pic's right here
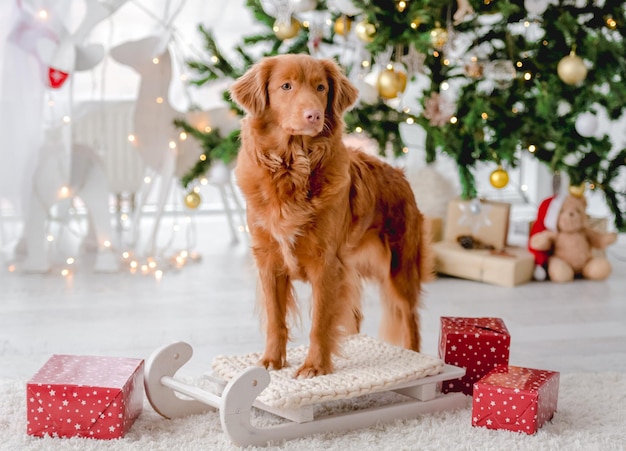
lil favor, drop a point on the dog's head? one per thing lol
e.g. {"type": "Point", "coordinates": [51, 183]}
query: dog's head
{"type": "Point", "coordinates": [298, 93]}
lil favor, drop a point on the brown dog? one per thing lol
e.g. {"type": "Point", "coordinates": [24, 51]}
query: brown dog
{"type": "Point", "coordinates": [320, 212]}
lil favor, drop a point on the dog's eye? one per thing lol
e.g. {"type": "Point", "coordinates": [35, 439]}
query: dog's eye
{"type": "Point", "coordinates": [321, 88]}
{"type": "Point", "coordinates": [286, 87]}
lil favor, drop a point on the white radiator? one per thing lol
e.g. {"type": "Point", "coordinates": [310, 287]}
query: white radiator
{"type": "Point", "coordinates": [105, 126]}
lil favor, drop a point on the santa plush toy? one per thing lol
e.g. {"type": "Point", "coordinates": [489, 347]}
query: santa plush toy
{"type": "Point", "coordinates": [547, 217]}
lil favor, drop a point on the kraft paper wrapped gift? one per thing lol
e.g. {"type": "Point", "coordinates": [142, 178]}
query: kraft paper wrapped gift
{"type": "Point", "coordinates": [509, 267]}
{"type": "Point", "coordinates": [85, 396]}
{"type": "Point", "coordinates": [476, 344]}
{"type": "Point", "coordinates": [515, 399]}
{"type": "Point", "coordinates": [484, 220]}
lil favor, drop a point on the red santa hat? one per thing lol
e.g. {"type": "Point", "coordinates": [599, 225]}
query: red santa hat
{"type": "Point", "coordinates": [547, 217]}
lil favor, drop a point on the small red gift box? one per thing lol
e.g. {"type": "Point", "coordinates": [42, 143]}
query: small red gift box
{"type": "Point", "coordinates": [85, 396]}
{"type": "Point", "coordinates": [516, 399]}
{"type": "Point", "coordinates": [476, 344]}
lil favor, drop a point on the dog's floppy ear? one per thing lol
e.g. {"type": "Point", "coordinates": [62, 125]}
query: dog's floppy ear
{"type": "Point", "coordinates": [342, 94]}
{"type": "Point", "coordinates": [250, 90]}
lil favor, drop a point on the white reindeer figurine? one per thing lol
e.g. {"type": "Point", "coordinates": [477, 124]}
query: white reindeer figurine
{"type": "Point", "coordinates": [64, 172]}
{"type": "Point", "coordinates": [156, 138]}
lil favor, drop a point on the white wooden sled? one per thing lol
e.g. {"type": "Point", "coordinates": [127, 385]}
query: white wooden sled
{"type": "Point", "coordinates": [278, 392]}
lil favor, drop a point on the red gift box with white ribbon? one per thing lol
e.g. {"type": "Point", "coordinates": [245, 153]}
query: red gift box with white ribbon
{"type": "Point", "coordinates": [85, 396]}
{"type": "Point", "coordinates": [515, 399]}
{"type": "Point", "coordinates": [476, 344]}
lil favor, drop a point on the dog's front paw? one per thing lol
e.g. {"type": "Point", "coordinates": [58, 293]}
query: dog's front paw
{"type": "Point", "coordinates": [308, 370]}
{"type": "Point", "coordinates": [274, 362]}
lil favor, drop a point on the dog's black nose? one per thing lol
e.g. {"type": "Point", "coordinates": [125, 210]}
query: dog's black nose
{"type": "Point", "coordinates": [312, 116]}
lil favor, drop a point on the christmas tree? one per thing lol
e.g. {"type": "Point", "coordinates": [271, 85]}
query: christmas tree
{"type": "Point", "coordinates": [504, 78]}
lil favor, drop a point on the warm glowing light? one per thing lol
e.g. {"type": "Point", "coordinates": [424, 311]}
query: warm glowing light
{"type": "Point", "coordinates": [532, 148]}
{"type": "Point", "coordinates": [485, 116]}
{"type": "Point", "coordinates": [207, 129]}
{"type": "Point", "coordinates": [204, 181]}
{"type": "Point", "coordinates": [305, 23]}
{"type": "Point", "coordinates": [172, 145]}
{"type": "Point", "coordinates": [183, 77]}
{"type": "Point", "coordinates": [389, 66]}
{"type": "Point", "coordinates": [124, 217]}
{"type": "Point", "coordinates": [67, 119]}
{"type": "Point", "coordinates": [196, 189]}
{"type": "Point", "coordinates": [410, 120]}
{"type": "Point", "coordinates": [365, 63]}
{"type": "Point", "coordinates": [454, 120]}
{"type": "Point", "coordinates": [131, 138]}
{"type": "Point", "coordinates": [519, 64]}
{"type": "Point", "coordinates": [64, 192]}
{"type": "Point", "coordinates": [524, 188]}
{"type": "Point", "coordinates": [70, 261]}
{"type": "Point", "coordinates": [125, 255]}
{"type": "Point", "coordinates": [446, 62]}
{"type": "Point", "coordinates": [436, 54]}
{"type": "Point", "coordinates": [65, 272]}
{"type": "Point", "coordinates": [184, 254]}
{"type": "Point", "coordinates": [203, 157]}
{"type": "Point", "coordinates": [134, 264]}
{"type": "Point", "coordinates": [182, 136]}
{"type": "Point", "coordinates": [526, 23]}
{"type": "Point", "coordinates": [42, 14]}
{"type": "Point", "coordinates": [144, 268]}
{"type": "Point", "coordinates": [152, 264]}
{"type": "Point", "coordinates": [215, 59]}
{"type": "Point", "coordinates": [358, 130]}
{"type": "Point", "coordinates": [159, 100]}
{"type": "Point", "coordinates": [611, 23]}
{"type": "Point", "coordinates": [401, 5]}
{"type": "Point", "coordinates": [147, 180]}
{"type": "Point", "coordinates": [106, 243]}
{"type": "Point", "coordinates": [158, 274]}
{"type": "Point", "coordinates": [50, 238]}
{"type": "Point", "coordinates": [527, 76]}
{"type": "Point", "coordinates": [11, 268]}
{"type": "Point", "coordinates": [405, 150]}
{"type": "Point", "coordinates": [155, 60]}
{"type": "Point", "coordinates": [445, 86]}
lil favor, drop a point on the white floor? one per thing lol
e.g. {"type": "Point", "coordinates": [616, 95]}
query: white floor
{"type": "Point", "coordinates": [576, 327]}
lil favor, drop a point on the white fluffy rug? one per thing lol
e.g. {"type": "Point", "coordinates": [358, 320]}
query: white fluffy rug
{"type": "Point", "coordinates": [591, 416]}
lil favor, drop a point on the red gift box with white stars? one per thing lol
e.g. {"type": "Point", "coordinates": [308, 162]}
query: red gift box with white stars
{"type": "Point", "coordinates": [516, 399]}
{"type": "Point", "coordinates": [85, 396]}
{"type": "Point", "coordinates": [476, 344]}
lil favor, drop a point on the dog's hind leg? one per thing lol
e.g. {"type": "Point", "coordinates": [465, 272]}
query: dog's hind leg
{"type": "Point", "coordinates": [400, 317]}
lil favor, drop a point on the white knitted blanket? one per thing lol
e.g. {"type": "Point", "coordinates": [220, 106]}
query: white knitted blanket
{"type": "Point", "coordinates": [366, 366]}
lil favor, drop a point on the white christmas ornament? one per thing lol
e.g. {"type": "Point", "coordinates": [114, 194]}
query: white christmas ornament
{"type": "Point", "coordinates": [303, 6]}
{"type": "Point", "coordinates": [345, 7]}
{"type": "Point", "coordinates": [586, 124]}
{"type": "Point", "coordinates": [536, 7]}
{"type": "Point", "coordinates": [368, 94]}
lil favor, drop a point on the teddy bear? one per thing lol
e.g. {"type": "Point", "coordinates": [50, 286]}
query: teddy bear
{"type": "Point", "coordinates": [563, 242]}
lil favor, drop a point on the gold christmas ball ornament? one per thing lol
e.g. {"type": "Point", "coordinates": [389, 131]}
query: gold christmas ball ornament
{"type": "Point", "coordinates": [192, 200]}
{"type": "Point", "coordinates": [402, 81]}
{"type": "Point", "coordinates": [572, 69]}
{"type": "Point", "coordinates": [286, 30]}
{"type": "Point", "coordinates": [390, 83]}
{"type": "Point", "coordinates": [343, 25]}
{"type": "Point", "coordinates": [438, 37]}
{"type": "Point", "coordinates": [365, 31]}
{"type": "Point", "coordinates": [577, 190]}
{"type": "Point", "coordinates": [499, 178]}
